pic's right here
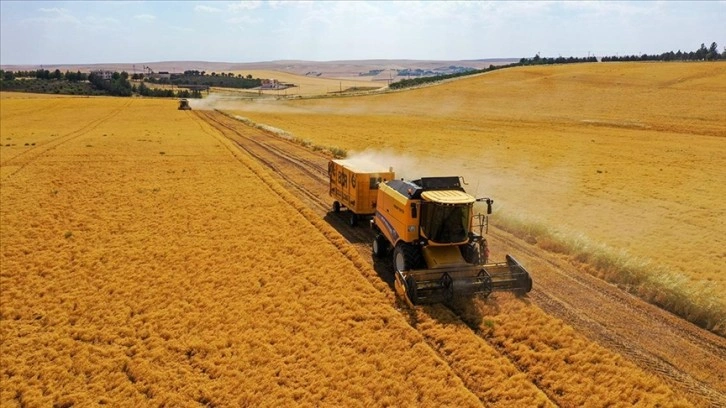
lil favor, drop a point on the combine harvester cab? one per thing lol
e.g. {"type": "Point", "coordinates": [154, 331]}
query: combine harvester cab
{"type": "Point", "coordinates": [354, 185]}
{"type": "Point", "coordinates": [429, 225]}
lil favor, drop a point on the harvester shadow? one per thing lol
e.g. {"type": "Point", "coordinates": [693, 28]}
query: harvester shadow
{"type": "Point", "coordinates": [359, 234]}
{"type": "Point", "coordinates": [362, 235]}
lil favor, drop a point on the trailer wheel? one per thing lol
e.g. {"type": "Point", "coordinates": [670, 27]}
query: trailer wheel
{"type": "Point", "coordinates": [380, 246]}
{"type": "Point", "coordinates": [336, 207]}
{"type": "Point", "coordinates": [353, 220]}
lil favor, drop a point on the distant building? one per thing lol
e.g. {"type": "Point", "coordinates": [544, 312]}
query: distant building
{"type": "Point", "coordinates": [159, 75]}
{"type": "Point", "coordinates": [270, 84]}
{"type": "Point", "coordinates": [106, 75]}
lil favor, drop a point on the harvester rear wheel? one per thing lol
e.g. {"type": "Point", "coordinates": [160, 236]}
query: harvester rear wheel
{"type": "Point", "coordinates": [336, 206]}
{"type": "Point", "coordinates": [381, 247]}
{"type": "Point", "coordinates": [353, 219]}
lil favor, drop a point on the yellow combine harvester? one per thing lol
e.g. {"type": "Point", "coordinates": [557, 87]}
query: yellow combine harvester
{"type": "Point", "coordinates": [184, 105]}
{"type": "Point", "coordinates": [429, 223]}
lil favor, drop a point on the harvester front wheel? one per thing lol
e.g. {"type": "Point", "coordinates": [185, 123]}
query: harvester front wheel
{"type": "Point", "coordinates": [336, 206]}
{"type": "Point", "coordinates": [406, 257]}
{"type": "Point", "coordinates": [380, 246]}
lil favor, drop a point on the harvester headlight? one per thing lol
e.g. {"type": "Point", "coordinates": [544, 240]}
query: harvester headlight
{"type": "Point", "coordinates": [411, 228]}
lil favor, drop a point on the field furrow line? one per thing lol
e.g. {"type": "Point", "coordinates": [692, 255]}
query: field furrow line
{"type": "Point", "coordinates": [34, 153]}
{"type": "Point", "coordinates": [316, 195]}
{"type": "Point", "coordinates": [607, 316]}
{"type": "Point", "coordinates": [31, 111]}
{"type": "Point", "coordinates": [278, 159]}
{"type": "Point", "coordinates": [505, 367]}
{"type": "Point", "coordinates": [711, 342]}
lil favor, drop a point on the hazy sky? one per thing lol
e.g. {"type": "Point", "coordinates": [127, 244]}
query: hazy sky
{"type": "Point", "coordinates": [50, 32]}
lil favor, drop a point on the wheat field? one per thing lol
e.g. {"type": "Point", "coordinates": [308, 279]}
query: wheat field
{"type": "Point", "coordinates": [146, 261]}
{"type": "Point", "coordinates": [308, 85]}
{"type": "Point", "coordinates": [625, 159]}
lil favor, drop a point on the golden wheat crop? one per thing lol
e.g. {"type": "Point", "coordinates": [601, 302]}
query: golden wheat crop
{"type": "Point", "coordinates": [573, 370]}
{"type": "Point", "coordinates": [308, 85]}
{"type": "Point", "coordinates": [146, 261]}
{"type": "Point", "coordinates": [145, 264]}
{"type": "Point", "coordinates": [629, 156]}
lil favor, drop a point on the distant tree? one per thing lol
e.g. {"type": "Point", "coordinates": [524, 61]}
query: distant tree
{"type": "Point", "coordinates": [143, 90]}
{"type": "Point", "coordinates": [701, 53]}
{"type": "Point", "coordinates": [713, 52]}
{"type": "Point", "coordinates": [9, 75]}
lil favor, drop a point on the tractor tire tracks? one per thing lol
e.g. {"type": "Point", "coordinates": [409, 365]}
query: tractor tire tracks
{"type": "Point", "coordinates": [32, 154]}
{"type": "Point", "coordinates": [690, 359]}
{"type": "Point", "coordinates": [269, 151]}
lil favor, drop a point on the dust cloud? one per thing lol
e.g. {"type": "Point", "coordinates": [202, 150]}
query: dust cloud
{"type": "Point", "coordinates": [213, 102]}
{"type": "Point", "coordinates": [412, 167]}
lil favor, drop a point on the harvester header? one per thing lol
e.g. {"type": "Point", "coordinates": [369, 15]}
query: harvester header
{"type": "Point", "coordinates": [439, 252]}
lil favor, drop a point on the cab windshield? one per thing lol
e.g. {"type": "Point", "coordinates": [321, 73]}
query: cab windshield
{"type": "Point", "coordinates": [445, 223]}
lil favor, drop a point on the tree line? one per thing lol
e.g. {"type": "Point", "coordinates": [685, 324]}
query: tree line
{"type": "Point", "coordinates": [117, 85]}
{"type": "Point", "coordinates": [201, 78]}
{"type": "Point", "coordinates": [44, 74]}
{"type": "Point", "coordinates": [79, 83]}
{"type": "Point", "coordinates": [702, 54]}
{"type": "Point", "coordinates": [144, 90]}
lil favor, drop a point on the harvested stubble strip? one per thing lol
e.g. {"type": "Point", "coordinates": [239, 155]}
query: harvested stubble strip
{"type": "Point", "coordinates": [491, 377]}
{"type": "Point", "coordinates": [174, 290]}
{"type": "Point", "coordinates": [571, 369]}
{"type": "Point", "coordinates": [494, 379]}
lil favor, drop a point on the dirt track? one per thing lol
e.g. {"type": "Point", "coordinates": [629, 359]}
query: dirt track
{"type": "Point", "coordinates": [691, 360]}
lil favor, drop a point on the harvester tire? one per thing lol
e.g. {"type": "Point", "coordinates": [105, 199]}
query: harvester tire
{"type": "Point", "coordinates": [472, 253]}
{"type": "Point", "coordinates": [406, 257]}
{"type": "Point", "coordinates": [381, 247]}
{"type": "Point", "coordinates": [353, 220]}
{"type": "Point", "coordinates": [336, 206]}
